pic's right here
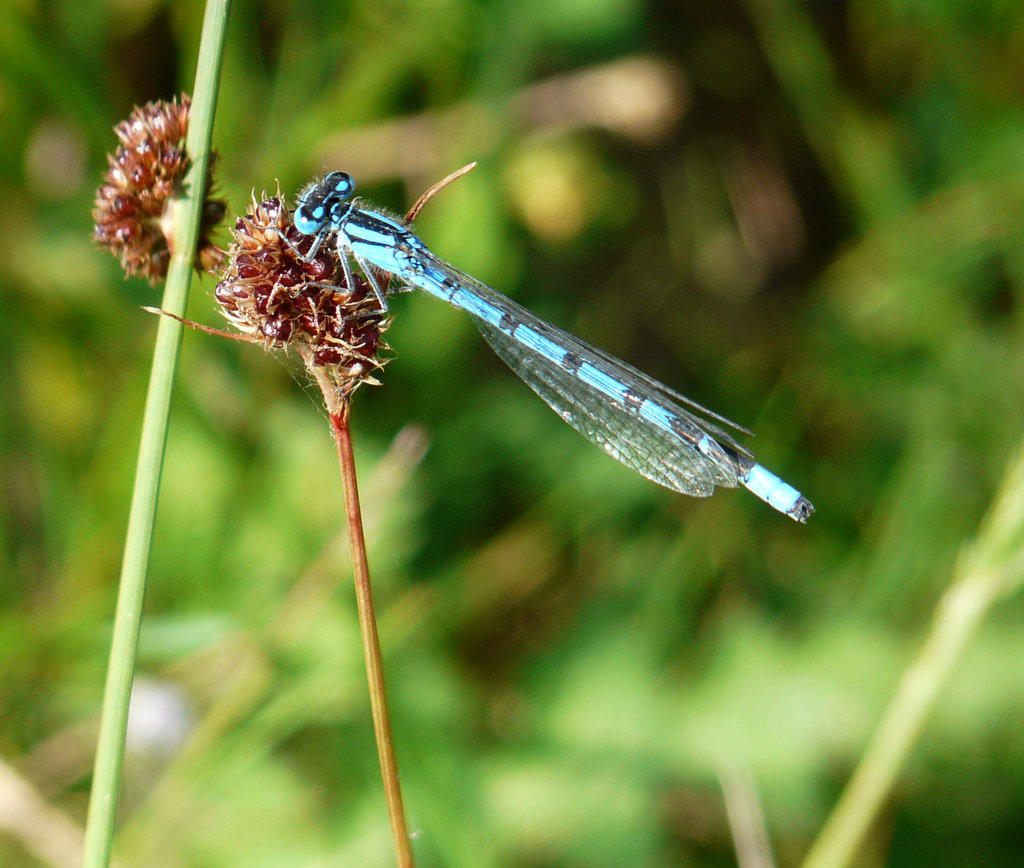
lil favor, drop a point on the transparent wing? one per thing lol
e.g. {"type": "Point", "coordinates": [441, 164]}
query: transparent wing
{"type": "Point", "coordinates": [650, 450]}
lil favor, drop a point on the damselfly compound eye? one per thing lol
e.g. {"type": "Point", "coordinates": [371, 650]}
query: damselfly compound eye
{"type": "Point", "coordinates": [339, 184]}
{"type": "Point", "coordinates": [309, 219]}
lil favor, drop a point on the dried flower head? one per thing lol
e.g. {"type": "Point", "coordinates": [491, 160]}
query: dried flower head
{"type": "Point", "coordinates": [272, 292]}
{"type": "Point", "coordinates": [131, 205]}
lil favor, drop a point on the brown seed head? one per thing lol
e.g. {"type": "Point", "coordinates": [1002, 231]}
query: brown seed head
{"type": "Point", "coordinates": [269, 290]}
{"type": "Point", "coordinates": [141, 180]}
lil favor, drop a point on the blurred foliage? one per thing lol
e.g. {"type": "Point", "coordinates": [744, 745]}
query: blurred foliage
{"type": "Point", "coordinates": [809, 217]}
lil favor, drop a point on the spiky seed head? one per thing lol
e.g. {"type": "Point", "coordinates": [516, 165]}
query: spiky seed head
{"type": "Point", "coordinates": [273, 290]}
{"type": "Point", "coordinates": [142, 178]}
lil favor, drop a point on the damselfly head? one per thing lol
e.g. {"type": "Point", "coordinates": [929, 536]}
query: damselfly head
{"type": "Point", "coordinates": [321, 203]}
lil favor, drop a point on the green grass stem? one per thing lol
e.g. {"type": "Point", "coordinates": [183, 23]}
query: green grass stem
{"type": "Point", "coordinates": [186, 221]}
{"type": "Point", "coordinates": [988, 569]}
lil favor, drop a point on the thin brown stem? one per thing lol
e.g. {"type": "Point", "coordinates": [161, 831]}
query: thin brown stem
{"type": "Point", "coordinates": [210, 330]}
{"type": "Point", "coordinates": [414, 211]}
{"type": "Point", "coordinates": [368, 626]}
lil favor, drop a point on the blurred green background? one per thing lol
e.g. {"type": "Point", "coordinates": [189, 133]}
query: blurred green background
{"type": "Point", "coordinates": [807, 216]}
